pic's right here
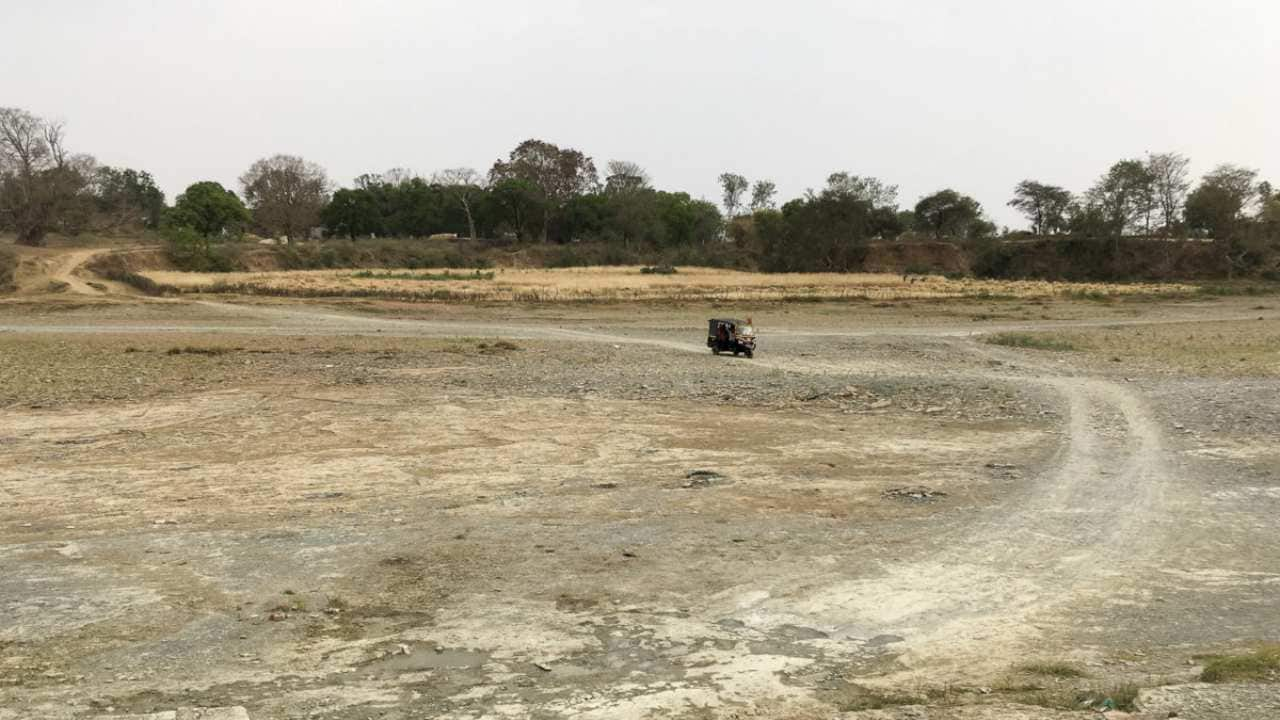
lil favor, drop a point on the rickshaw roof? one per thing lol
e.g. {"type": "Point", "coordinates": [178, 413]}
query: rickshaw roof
{"type": "Point", "coordinates": [733, 321]}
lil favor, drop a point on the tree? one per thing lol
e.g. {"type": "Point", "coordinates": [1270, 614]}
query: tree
{"type": "Point", "coordinates": [867, 189]}
{"type": "Point", "coordinates": [353, 213]}
{"type": "Point", "coordinates": [39, 181]}
{"type": "Point", "coordinates": [827, 232]}
{"type": "Point", "coordinates": [625, 176]}
{"type": "Point", "coordinates": [520, 205]}
{"type": "Point", "coordinates": [947, 213]}
{"type": "Point", "coordinates": [1168, 172]}
{"type": "Point", "coordinates": [1044, 205]}
{"type": "Point", "coordinates": [210, 210]}
{"type": "Point", "coordinates": [1222, 200]}
{"type": "Point", "coordinates": [762, 195]}
{"type": "Point", "coordinates": [286, 194]}
{"type": "Point", "coordinates": [126, 198]}
{"type": "Point", "coordinates": [466, 186]}
{"type": "Point", "coordinates": [732, 186]}
{"type": "Point", "coordinates": [1125, 197]}
{"type": "Point", "coordinates": [558, 174]}
{"type": "Point", "coordinates": [1220, 207]}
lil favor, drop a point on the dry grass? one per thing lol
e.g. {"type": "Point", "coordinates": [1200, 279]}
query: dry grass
{"type": "Point", "coordinates": [1225, 349]}
{"type": "Point", "coordinates": [631, 284]}
{"type": "Point", "coordinates": [1263, 664]}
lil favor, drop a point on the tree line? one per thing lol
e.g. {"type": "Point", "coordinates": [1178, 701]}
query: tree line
{"type": "Point", "coordinates": [540, 193]}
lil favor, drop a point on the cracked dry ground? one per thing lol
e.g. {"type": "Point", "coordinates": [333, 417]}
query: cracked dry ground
{"type": "Point", "coordinates": [337, 514]}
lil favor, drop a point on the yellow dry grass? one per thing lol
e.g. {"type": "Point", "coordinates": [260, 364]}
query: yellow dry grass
{"type": "Point", "coordinates": [628, 283]}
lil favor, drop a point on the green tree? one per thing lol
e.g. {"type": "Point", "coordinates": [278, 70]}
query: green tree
{"type": "Point", "coordinates": [686, 221]}
{"type": "Point", "coordinates": [948, 213]}
{"type": "Point", "coordinates": [520, 207]}
{"type": "Point", "coordinates": [353, 212]}
{"type": "Point", "coordinates": [865, 188]}
{"type": "Point", "coordinates": [210, 210]}
{"type": "Point", "coordinates": [1125, 197]}
{"type": "Point", "coordinates": [1222, 200]}
{"type": "Point", "coordinates": [826, 232]}
{"type": "Point", "coordinates": [125, 198]}
{"type": "Point", "coordinates": [1044, 205]}
{"type": "Point", "coordinates": [762, 194]}
{"type": "Point", "coordinates": [1220, 208]}
{"type": "Point", "coordinates": [558, 174]}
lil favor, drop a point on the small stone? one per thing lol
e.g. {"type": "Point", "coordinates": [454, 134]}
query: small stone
{"type": "Point", "coordinates": [933, 409]}
{"type": "Point", "coordinates": [277, 616]}
{"type": "Point", "coordinates": [880, 404]}
{"type": "Point", "coordinates": [542, 666]}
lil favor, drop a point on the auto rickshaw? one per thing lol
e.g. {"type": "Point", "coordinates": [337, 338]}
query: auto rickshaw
{"type": "Point", "coordinates": [729, 335]}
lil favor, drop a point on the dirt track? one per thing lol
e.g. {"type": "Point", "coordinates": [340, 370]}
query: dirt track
{"type": "Point", "coordinates": [521, 520]}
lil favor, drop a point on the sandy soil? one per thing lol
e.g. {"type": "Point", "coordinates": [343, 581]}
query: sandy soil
{"type": "Point", "coordinates": [399, 511]}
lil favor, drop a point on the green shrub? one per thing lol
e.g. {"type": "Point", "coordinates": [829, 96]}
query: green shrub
{"type": "Point", "coordinates": [189, 250]}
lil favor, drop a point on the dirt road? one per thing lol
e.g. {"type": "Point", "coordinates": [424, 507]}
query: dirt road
{"type": "Point", "coordinates": [520, 534]}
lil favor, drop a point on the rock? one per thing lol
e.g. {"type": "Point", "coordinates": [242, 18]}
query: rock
{"type": "Point", "coordinates": [914, 494]}
{"type": "Point", "coordinates": [542, 666]}
{"type": "Point", "coordinates": [404, 649]}
{"type": "Point", "coordinates": [880, 404]}
{"type": "Point", "coordinates": [278, 616]}
{"type": "Point", "coordinates": [933, 409]}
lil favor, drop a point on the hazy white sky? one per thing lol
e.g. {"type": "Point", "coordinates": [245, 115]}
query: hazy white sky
{"type": "Point", "coordinates": [927, 94]}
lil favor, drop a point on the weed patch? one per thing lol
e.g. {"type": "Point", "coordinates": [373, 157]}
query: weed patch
{"type": "Point", "coordinates": [1051, 669]}
{"type": "Point", "coordinates": [426, 277]}
{"type": "Point", "coordinates": [1030, 341]}
{"type": "Point", "coordinates": [189, 350]}
{"type": "Point", "coordinates": [1261, 664]}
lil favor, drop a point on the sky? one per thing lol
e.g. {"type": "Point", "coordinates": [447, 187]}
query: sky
{"type": "Point", "coordinates": [973, 95]}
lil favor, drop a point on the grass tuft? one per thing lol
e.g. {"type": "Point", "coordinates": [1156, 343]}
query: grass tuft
{"type": "Point", "coordinates": [1030, 341]}
{"type": "Point", "coordinates": [1051, 669]}
{"type": "Point", "coordinates": [1261, 664]}
{"type": "Point", "coordinates": [189, 350]}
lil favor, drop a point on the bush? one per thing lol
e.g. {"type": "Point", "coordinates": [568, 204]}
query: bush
{"type": "Point", "coordinates": [8, 268]}
{"type": "Point", "coordinates": [193, 252]}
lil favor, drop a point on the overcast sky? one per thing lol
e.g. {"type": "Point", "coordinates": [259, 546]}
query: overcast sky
{"type": "Point", "coordinates": [927, 94]}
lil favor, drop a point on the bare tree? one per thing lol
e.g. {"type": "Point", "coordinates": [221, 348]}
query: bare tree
{"type": "Point", "coordinates": [1170, 183]}
{"type": "Point", "coordinates": [625, 175]}
{"type": "Point", "coordinates": [762, 195]}
{"type": "Point", "coordinates": [465, 185]}
{"type": "Point", "coordinates": [286, 194]}
{"type": "Point", "coordinates": [398, 176]}
{"type": "Point", "coordinates": [39, 181]}
{"type": "Point", "coordinates": [732, 186]}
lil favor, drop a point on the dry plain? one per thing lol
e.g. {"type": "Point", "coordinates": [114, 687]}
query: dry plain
{"type": "Point", "coordinates": [364, 508]}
